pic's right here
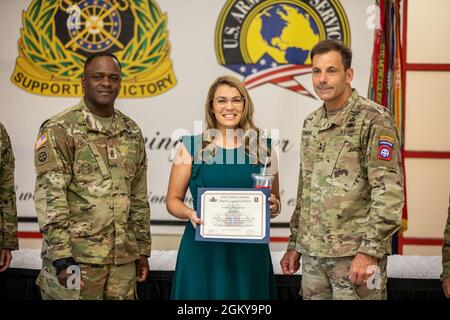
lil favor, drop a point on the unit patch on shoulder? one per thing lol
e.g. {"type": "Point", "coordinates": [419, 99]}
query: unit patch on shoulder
{"type": "Point", "coordinates": [385, 146]}
{"type": "Point", "coordinates": [42, 157]}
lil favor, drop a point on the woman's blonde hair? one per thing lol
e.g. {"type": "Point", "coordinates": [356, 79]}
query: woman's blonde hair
{"type": "Point", "coordinates": [258, 152]}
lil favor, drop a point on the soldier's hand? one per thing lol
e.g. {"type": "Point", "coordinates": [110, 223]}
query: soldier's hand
{"type": "Point", "coordinates": [142, 269]}
{"type": "Point", "coordinates": [290, 262]}
{"type": "Point", "coordinates": [5, 259]}
{"type": "Point", "coordinates": [446, 287]}
{"type": "Point", "coordinates": [359, 271]}
{"type": "Point", "coordinates": [64, 275]}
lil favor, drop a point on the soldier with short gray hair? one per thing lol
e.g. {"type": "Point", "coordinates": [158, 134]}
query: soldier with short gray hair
{"type": "Point", "coordinates": [350, 191]}
{"type": "Point", "coordinates": [91, 194]}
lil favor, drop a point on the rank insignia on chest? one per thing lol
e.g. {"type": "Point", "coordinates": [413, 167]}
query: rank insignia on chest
{"type": "Point", "coordinates": [86, 168]}
{"type": "Point", "coordinates": [385, 146]}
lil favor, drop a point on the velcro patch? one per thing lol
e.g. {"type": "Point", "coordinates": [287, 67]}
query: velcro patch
{"type": "Point", "coordinates": [387, 139]}
{"type": "Point", "coordinates": [134, 136]}
{"type": "Point", "coordinates": [41, 140]}
{"type": "Point", "coordinates": [385, 146]}
{"type": "Point", "coordinates": [42, 157]}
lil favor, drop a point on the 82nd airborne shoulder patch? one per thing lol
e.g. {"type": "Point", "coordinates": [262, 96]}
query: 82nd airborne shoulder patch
{"type": "Point", "coordinates": [385, 146]}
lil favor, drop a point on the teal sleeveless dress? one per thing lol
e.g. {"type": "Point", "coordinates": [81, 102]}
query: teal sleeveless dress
{"type": "Point", "coordinates": [220, 270]}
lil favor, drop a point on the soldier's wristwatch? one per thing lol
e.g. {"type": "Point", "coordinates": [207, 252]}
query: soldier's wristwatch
{"type": "Point", "coordinates": [63, 263]}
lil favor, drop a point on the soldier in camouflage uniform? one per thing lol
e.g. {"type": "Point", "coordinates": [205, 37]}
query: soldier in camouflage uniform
{"type": "Point", "coordinates": [91, 194]}
{"type": "Point", "coordinates": [445, 276]}
{"type": "Point", "coordinates": [350, 191]}
{"type": "Point", "coordinates": [8, 212]}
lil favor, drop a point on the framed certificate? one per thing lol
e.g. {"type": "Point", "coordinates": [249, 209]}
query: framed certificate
{"type": "Point", "coordinates": [233, 215]}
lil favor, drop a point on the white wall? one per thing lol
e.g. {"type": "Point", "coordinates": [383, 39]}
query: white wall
{"type": "Point", "coordinates": [426, 122]}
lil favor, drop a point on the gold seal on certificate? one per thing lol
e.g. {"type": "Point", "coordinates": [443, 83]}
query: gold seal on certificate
{"type": "Point", "coordinates": [233, 215]}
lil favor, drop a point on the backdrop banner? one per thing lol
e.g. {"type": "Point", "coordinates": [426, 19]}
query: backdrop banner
{"type": "Point", "coordinates": [171, 51]}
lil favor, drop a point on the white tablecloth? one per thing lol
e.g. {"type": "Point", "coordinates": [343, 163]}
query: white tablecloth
{"type": "Point", "coordinates": [411, 267]}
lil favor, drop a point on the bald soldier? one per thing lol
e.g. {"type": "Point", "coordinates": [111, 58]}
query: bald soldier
{"type": "Point", "coordinates": [445, 276]}
{"type": "Point", "coordinates": [8, 211]}
{"type": "Point", "coordinates": [91, 194]}
{"type": "Point", "coordinates": [350, 191]}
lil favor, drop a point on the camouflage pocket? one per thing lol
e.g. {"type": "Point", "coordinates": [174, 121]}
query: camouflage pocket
{"type": "Point", "coordinates": [130, 169]}
{"type": "Point", "coordinates": [131, 245]}
{"type": "Point", "coordinates": [362, 292]}
{"type": "Point", "coordinates": [80, 228]}
{"type": "Point", "coordinates": [48, 282]}
{"type": "Point", "coordinates": [344, 164]}
{"type": "Point", "coordinates": [86, 169]}
{"type": "Point", "coordinates": [375, 287]}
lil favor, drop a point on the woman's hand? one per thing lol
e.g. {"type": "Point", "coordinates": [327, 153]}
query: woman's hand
{"type": "Point", "coordinates": [192, 215]}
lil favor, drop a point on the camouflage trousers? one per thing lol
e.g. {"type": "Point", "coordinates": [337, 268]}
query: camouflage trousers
{"type": "Point", "coordinates": [101, 282]}
{"type": "Point", "coordinates": [328, 278]}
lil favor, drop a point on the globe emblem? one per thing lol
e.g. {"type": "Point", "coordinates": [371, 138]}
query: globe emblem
{"type": "Point", "coordinates": [95, 25]}
{"type": "Point", "coordinates": [285, 32]}
{"type": "Point", "coordinates": [271, 40]}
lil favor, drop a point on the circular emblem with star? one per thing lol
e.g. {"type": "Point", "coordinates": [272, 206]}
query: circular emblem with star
{"type": "Point", "coordinates": [96, 27]}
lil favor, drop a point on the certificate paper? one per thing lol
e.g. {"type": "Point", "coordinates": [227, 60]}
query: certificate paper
{"type": "Point", "coordinates": [233, 215]}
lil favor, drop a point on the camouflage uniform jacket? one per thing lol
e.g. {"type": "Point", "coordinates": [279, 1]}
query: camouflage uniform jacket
{"type": "Point", "coordinates": [91, 188]}
{"type": "Point", "coordinates": [350, 193]}
{"type": "Point", "coordinates": [8, 211]}
{"type": "Point", "coordinates": [446, 249]}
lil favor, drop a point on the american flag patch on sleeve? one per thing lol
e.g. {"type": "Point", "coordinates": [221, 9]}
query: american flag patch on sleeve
{"type": "Point", "coordinates": [41, 140]}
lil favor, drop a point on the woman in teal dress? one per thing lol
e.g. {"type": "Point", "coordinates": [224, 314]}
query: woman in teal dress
{"type": "Point", "coordinates": [224, 156]}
